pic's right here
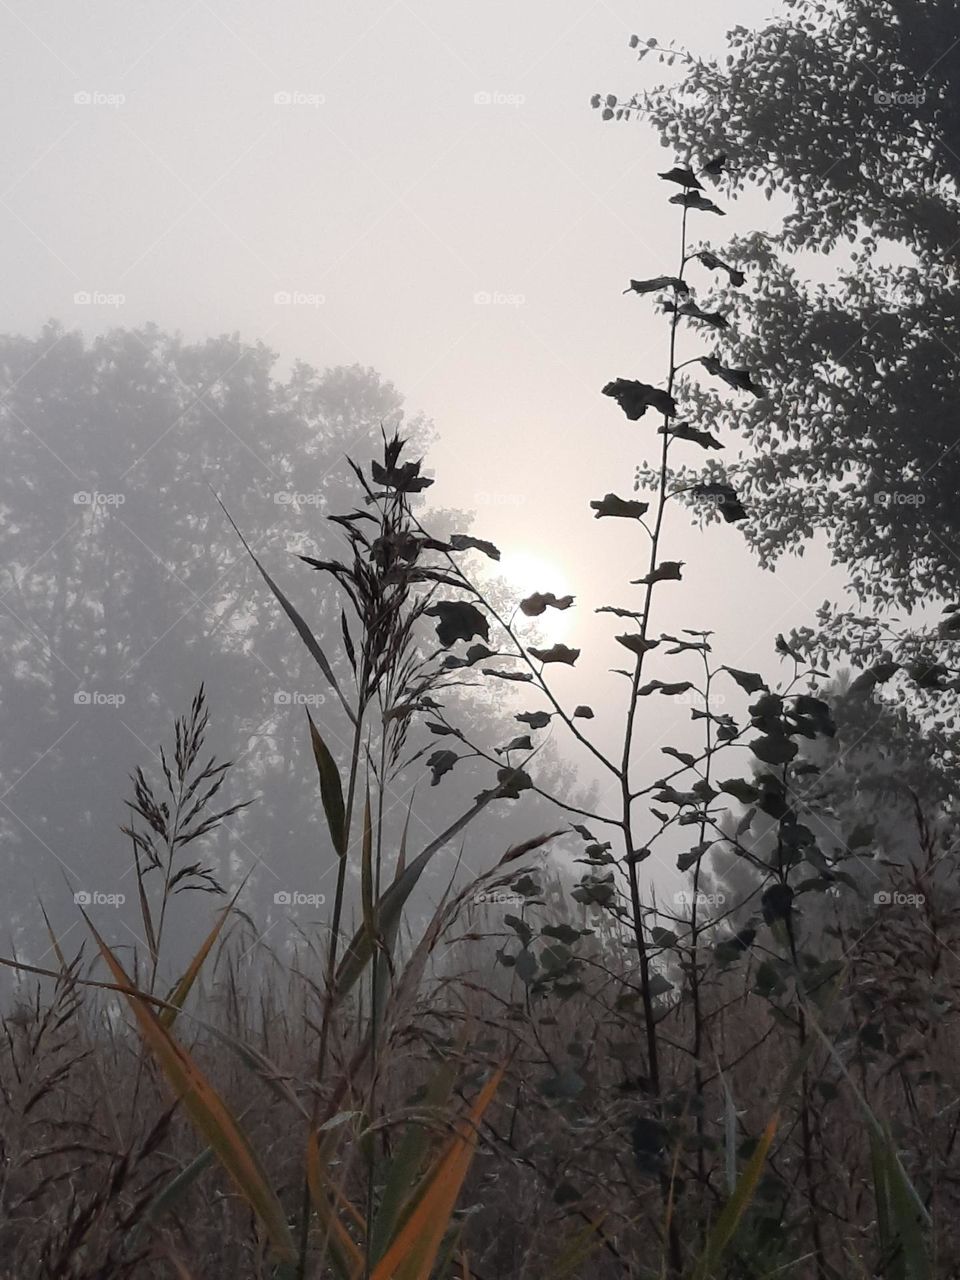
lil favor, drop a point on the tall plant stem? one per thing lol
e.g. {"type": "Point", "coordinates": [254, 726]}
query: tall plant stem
{"type": "Point", "coordinates": [636, 903]}
{"type": "Point", "coordinates": [331, 965]}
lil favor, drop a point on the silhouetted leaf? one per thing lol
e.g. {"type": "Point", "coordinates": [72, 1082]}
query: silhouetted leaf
{"type": "Point", "coordinates": [535, 719]}
{"type": "Point", "coordinates": [656, 284]}
{"type": "Point", "coordinates": [694, 200]}
{"type": "Point", "coordinates": [776, 902]}
{"type": "Point", "coordinates": [928, 675]}
{"type": "Point", "coordinates": [879, 673]}
{"type": "Point", "coordinates": [524, 676]}
{"type": "Point", "coordinates": [668, 690]}
{"type": "Point", "coordinates": [782, 647]}
{"type": "Point", "coordinates": [749, 681]}
{"type": "Point", "coordinates": [636, 643]}
{"type": "Point", "coordinates": [663, 937]}
{"type": "Point", "coordinates": [741, 790]}
{"type": "Point", "coordinates": [724, 497]}
{"type": "Point", "coordinates": [635, 398]}
{"type": "Point", "coordinates": [739, 379]}
{"type": "Point", "coordinates": [464, 542]}
{"type": "Point", "coordinates": [583, 712]}
{"type": "Point", "coordinates": [458, 620]}
{"type": "Point", "coordinates": [666, 571]}
{"type": "Point", "coordinates": [683, 756]}
{"type": "Point", "coordinates": [331, 792]}
{"type": "Point", "coordinates": [510, 783]}
{"type": "Point", "coordinates": [556, 653]}
{"type": "Point", "coordinates": [611, 505]}
{"type": "Point", "coordinates": [683, 177]}
{"type": "Point", "coordinates": [620, 613]}
{"type": "Point", "coordinates": [715, 319]}
{"type": "Point", "coordinates": [441, 762]}
{"type": "Point", "coordinates": [773, 750]}
{"type": "Point", "coordinates": [405, 478]}
{"type": "Point", "coordinates": [540, 601]}
{"type": "Point", "coordinates": [526, 965]}
{"type": "Point", "coordinates": [683, 431]}
{"type": "Point", "coordinates": [713, 263]}
{"type": "Point", "coordinates": [812, 716]}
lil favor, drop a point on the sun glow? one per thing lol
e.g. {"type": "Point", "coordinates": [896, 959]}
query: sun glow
{"type": "Point", "coordinates": [527, 573]}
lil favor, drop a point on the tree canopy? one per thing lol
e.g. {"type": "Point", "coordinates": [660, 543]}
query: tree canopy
{"type": "Point", "coordinates": [852, 111]}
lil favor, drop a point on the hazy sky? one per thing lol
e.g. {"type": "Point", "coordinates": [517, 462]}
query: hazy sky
{"type": "Point", "coordinates": [421, 152]}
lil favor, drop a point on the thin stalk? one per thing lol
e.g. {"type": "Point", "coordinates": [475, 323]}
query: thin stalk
{"type": "Point", "coordinates": [636, 904]}
{"type": "Point", "coordinates": [331, 966]}
{"type": "Point", "coordinates": [695, 993]}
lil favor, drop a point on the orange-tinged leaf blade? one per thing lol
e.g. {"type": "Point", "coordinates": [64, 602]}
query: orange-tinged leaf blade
{"type": "Point", "coordinates": [208, 1112]}
{"type": "Point", "coordinates": [145, 914]}
{"type": "Point", "coordinates": [731, 1213]}
{"type": "Point", "coordinates": [408, 1161]}
{"type": "Point", "coordinates": [415, 1247]}
{"type": "Point", "coordinates": [54, 941]}
{"type": "Point", "coordinates": [347, 1255]}
{"type": "Point", "coordinates": [182, 989]}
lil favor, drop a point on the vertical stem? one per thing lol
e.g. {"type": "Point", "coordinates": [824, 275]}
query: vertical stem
{"type": "Point", "coordinates": [331, 967]}
{"type": "Point", "coordinates": [636, 904]}
{"type": "Point", "coordinates": [806, 1129]}
{"type": "Point", "coordinates": [695, 994]}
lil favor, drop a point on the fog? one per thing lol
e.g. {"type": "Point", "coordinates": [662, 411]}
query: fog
{"type": "Point", "coordinates": [416, 189]}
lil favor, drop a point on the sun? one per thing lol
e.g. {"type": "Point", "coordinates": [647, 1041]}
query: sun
{"type": "Point", "coordinates": [525, 573]}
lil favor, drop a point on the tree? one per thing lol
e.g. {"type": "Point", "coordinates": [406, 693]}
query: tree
{"type": "Point", "coordinates": [851, 111]}
{"type": "Point", "coordinates": [124, 587]}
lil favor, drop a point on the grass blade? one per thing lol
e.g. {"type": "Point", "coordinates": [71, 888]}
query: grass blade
{"type": "Point", "coordinates": [366, 873]}
{"type": "Point", "coordinates": [180, 992]}
{"type": "Point", "coordinates": [208, 1112]}
{"type": "Point", "coordinates": [726, 1224]}
{"type": "Point", "coordinates": [345, 1253]}
{"type": "Point", "coordinates": [408, 1162]}
{"type": "Point", "coordinates": [331, 790]}
{"type": "Point", "coordinates": [414, 1249]}
{"type": "Point", "coordinates": [303, 631]}
{"type": "Point", "coordinates": [391, 902]}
